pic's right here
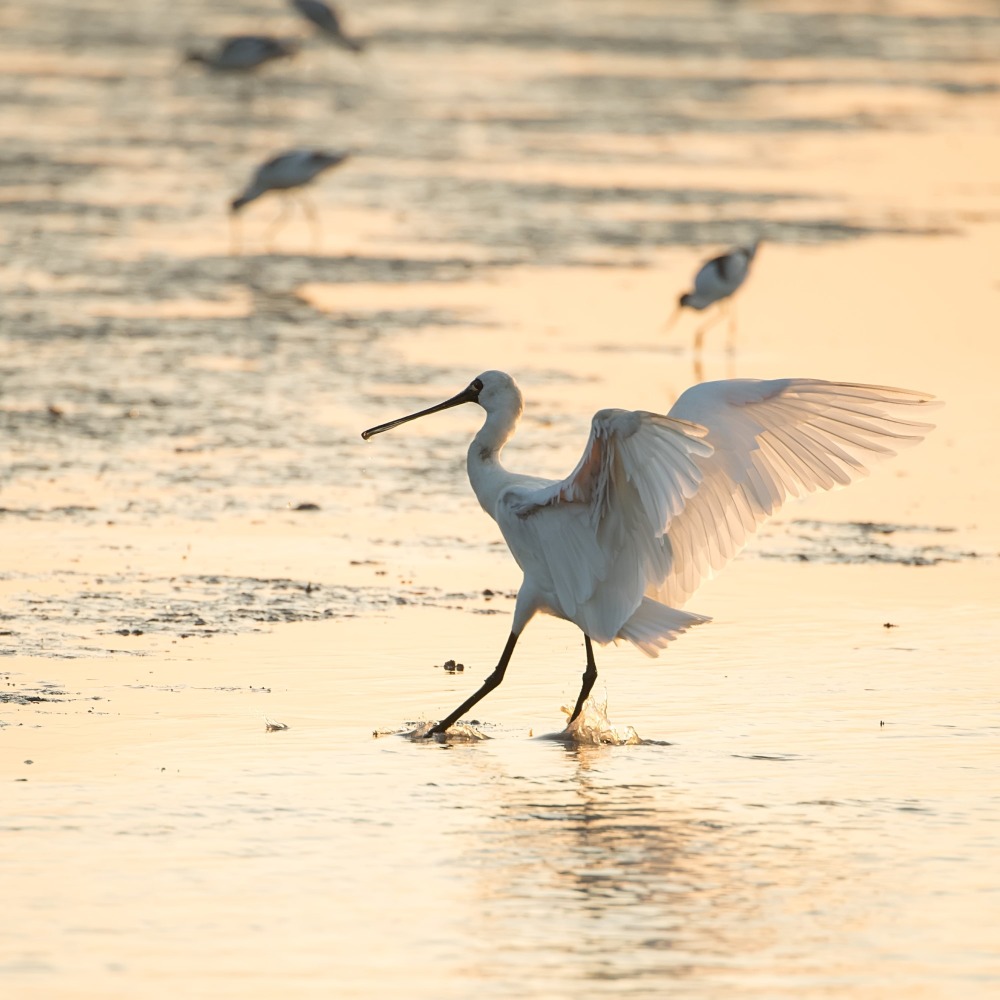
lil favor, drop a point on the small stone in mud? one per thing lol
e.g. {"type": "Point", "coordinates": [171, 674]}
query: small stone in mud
{"type": "Point", "coordinates": [889, 625]}
{"type": "Point", "coordinates": [306, 506]}
{"type": "Point", "coordinates": [274, 727]}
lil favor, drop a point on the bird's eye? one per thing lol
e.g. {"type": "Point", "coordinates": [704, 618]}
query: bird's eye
{"type": "Point", "coordinates": [477, 384]}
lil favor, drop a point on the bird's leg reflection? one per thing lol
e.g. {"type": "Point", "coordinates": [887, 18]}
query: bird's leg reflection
{"type": "Point", "coordinates": [589, 676]}
{"type": "Point", "coordinates": [491, 682]}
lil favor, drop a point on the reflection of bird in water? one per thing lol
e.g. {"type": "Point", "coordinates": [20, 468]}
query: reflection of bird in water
{"type": "Point", "coordinates": [327, 20]}
{"type": "Point", "coordinates": [245, 53]}
{"type": "Point", "coordinates": [657, 503]}
{"type": "Point", "coordinates": [286, 172]}
{"type": "Point", "coordinates": [716, 281]}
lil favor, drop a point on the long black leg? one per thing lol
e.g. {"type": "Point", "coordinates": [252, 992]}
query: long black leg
{"type": "Point", "coordinates": [491, 682]}
{"type": "Point", "coordinates": [589, 676]}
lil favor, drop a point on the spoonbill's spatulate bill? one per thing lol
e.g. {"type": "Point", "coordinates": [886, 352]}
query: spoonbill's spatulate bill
{"type": "Point", "coordinates": [658, 503]}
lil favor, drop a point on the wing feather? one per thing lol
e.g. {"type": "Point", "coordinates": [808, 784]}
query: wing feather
{"type": "Point", "coordinates": [658, 503]}
{"type": "Point", "coordinates": [593, 542]}
{"type": "Point", "coordinates": [773, 440]}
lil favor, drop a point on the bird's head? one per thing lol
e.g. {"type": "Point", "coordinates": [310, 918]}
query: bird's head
{"type": "Point", "coordinates": [492, 390]}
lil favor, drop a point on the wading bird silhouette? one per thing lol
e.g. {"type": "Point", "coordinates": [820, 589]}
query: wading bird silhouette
{"type": "Point", "coordinates": [244, 53]}
{"type": "Point", "coordinates": [658, 503]}
{"type": "Point", "coordinates": [716, 281]}
{"type": "Point", "coordinates": [324, 17]}
{"type": "Point", "coordinates": [286, 172]}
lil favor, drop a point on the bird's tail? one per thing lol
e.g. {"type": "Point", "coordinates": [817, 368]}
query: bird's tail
{"type": "Point", "coordinates": [653, 625]}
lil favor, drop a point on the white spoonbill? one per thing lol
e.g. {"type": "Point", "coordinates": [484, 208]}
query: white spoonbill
{"type": "Point", "coordinates": [716, 281]}
{"type": "Point", "coordinates": [658, 503]}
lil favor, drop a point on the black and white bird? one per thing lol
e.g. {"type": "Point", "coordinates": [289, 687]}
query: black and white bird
{"type": "Point", "coordinates": [324, 17]}
{"type": "Point", "coordinates": [286, 172]}
{"type": "Point", "coordinates": [716, 281]}
{"type": "Point", "coordinates": [244, 53]}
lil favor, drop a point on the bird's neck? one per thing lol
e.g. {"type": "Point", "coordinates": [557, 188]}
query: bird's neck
{"type": "Point", "coordinates": [487, 476]}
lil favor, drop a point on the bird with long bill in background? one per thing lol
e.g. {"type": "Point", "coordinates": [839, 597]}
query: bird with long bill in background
{"type": "Point", "coordinates": [717, 281]}
{"type": "Point", "coordinates": [287, 172]}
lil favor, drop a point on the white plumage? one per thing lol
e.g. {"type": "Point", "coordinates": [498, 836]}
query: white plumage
{"type": "Point", "coordinates": [658, 503]}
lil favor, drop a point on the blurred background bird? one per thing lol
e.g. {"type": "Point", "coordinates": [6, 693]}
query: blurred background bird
{"type": "Point", "coordinates": [287, 172]}
{"type": "Point", "coordinates": [244, 53]}
{"type": "Point", "coordinates": [716, 282]}
{"type": "Point", "coordinates": [324, 17]}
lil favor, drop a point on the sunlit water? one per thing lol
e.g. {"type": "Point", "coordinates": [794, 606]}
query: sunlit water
{"type": "Point", "coordinates": [224, 619]}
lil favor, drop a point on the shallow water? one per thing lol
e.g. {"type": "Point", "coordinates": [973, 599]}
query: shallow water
{"type": "Point", "coordinates": [197, 544]}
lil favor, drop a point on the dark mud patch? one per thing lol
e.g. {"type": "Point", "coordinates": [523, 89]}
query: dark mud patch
{"type": "Point", "coordinates": [135, 609]}
{"type": "Point", "coordinates": [13, 692]}
{"type": "Point", "coordinates": [863, 542]}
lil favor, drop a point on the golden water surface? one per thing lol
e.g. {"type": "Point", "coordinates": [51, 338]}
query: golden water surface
{"type": "Point", "coordinates": [197, 549]}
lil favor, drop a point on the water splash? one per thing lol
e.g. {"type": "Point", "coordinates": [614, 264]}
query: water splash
{"type": "Point", "coordinates": [592, 726]}
{"type": "Point", "coordinates": [460, 732]}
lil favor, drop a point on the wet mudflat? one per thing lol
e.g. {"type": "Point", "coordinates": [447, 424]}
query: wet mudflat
{"type": "Point", "coordinates": [197, 548]}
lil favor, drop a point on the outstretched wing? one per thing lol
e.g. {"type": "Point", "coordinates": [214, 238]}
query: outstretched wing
{"type": "Point", "coordinates": [773, 440]}
{"type": "Point", "coordinates": [592, 543]}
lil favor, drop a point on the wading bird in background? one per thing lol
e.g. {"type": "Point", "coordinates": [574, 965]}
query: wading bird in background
{"type": "Point", "coordinates": [245, 53]}
{"type": "Point", "coordinates": [324, 17]}
{"type": "Point", "coordinates": [658, 503]}
{"type": "Point", "coordinates": [286, 172]}
{"type": "Point", "coordinates": [716, 281]}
